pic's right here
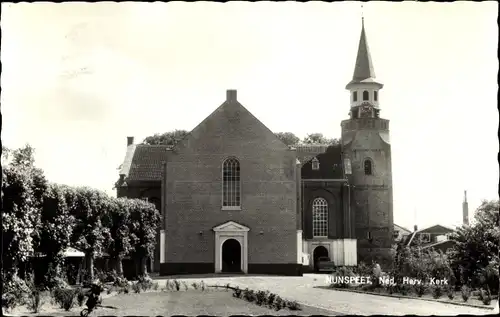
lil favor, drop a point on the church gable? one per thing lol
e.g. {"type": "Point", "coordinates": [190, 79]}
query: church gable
{"type": "Point", "coordinates": [230, 126]}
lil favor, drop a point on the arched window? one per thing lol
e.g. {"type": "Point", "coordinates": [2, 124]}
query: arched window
{"type": "Point", "coordinates": [355, 96]}
{"type": "Point", "coordinates": [320, 217]}
{"type": "Point", "coordinates": [231, 195]}
{"type": "Point", "coordinates": [366, 96]}
{"type": "Point", "coordinates": [315, 164]}
{"type": "Point", "coordinates": [375, 95]}
{"type": "Point", "coordinates": [368, 167]}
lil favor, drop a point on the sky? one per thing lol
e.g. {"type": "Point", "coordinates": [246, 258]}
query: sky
{"type": "Point", "coordinates": [78, 78]}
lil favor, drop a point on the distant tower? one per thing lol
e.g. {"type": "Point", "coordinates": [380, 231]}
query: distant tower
{"type": "Point", "coordinates": [367, 150]}
{"type": "Point", "coordinates": [465, 210]}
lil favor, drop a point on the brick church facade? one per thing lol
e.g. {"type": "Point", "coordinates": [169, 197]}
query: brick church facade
{"type": "Point", "coordinates": [234, 198]}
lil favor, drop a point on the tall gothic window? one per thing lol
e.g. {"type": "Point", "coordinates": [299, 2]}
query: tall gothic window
{"type": "Point", "coordinates": [366, 96]}
{"type": "Point", "coordinates": [231, 194]}
{"type": "Point", "coordinates": [375, 95]}
{"type": "Point", "coordinates": [355, 96]}
{"type": "Point", "coordinates": [320, 217]}
{"type": "Point", "coordinates": [368, 167]}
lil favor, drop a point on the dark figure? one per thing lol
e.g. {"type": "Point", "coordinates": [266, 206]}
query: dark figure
{"type": "Point", "coordinates": [93, 300]}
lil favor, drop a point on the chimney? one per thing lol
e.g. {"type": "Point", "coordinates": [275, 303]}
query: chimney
{"type": "Point", "coordinates": [231, 95]}
{"type": "Point", "coordinates": [465, 210]}
{"type": "Point", "coordinates": [130, 140]}
{"type": "Point", "coordinates": [415, 228]}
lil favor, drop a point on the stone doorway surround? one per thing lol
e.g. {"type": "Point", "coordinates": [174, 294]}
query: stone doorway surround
{"type": "Point", "coordinates": [231, 230]}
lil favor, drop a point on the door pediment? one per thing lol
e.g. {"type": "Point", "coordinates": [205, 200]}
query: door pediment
{"type": "Point", "coordinates": [231, 226]}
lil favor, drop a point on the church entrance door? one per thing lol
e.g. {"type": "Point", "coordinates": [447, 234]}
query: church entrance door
{"type": "Point", "coordinates": [319, 251]}
{"type": "Point", "coordinates": [231, 256]}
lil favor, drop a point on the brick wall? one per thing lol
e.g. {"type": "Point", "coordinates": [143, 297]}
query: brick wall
{"type": "Point", "coordinates": [268, 190]}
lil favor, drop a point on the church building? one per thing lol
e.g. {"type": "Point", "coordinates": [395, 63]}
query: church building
{"type": "Point", "coordinates": [234, 198]}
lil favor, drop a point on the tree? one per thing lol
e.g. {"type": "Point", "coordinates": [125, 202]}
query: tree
{"type": "Point", "coordinates": [318, 138]}
{"type": "Point", "coordinates": [120, 245]}
{"type": "Point", "coordinates": [475, 253]}
{"type": "Point", "coordinates": [56, 225]}
{"type": "Point", "coordinates": [89, 207]}
{"type": "Point", "coordinates": [288, 138]}
{"type": "Point", "coordinates": [168, 138]}
{"type": "Point", "coordinates": [23, 188]}
{"type": "Point", "coordinates": [145, 220]}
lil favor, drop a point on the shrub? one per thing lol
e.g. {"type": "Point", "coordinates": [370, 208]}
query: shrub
{"type": "Point", "coordinates": [270, 299]}
{"type": "Point", "coordinates": [195, 286]}
{"type": "Point", "coordinates": [136, 287]}
{"type": "Point", "coordinates": [14, 292]}
{"type": "Point", "coordinates": [260, 298]}
{"type": "Point", "coordinates": [35, 300]}
{"type": "Point", "coordinates": [278, 303]}
{"type": "Point", "coordinates": [485, 297]}
{"type": "Point", "coordinates": [362, 269]}
{"type": "Point", "coordinates": [405, 289]}
{"type": "Point", "coordinates": [65, 297]}
{"type": "Point", "coordinates": [420, 289]}
{"type": "Point", "coordinates": [465, 293]}
{"type": "Point", "coordinates": [391, 289]}
{"type": "Point", "coordinates": [126, 289]}
{"type": "Point", "coordinates": [451, 292]}
{"type": "Point", "coordinates": [237, 292]}
{"type": "Point", "coordinates": [249, 295]}
{"type": "Point", "coordinates": [156, 286]}
{"type": "Point", "coordinates": [185, 284]}
{"type": "Point", "coordinates": [120, 282]}
{"type": "Point", "coordinates": [293, 305]}
{"type": "Point", "coordinates": [145, 283]}
{"type": "Point", "coordinates": [177, 285]}
{"type": "Point", "coordinates": [437, 291]}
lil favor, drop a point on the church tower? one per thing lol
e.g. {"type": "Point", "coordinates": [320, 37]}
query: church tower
{"type": "Point", "coordinates": [366, 152]}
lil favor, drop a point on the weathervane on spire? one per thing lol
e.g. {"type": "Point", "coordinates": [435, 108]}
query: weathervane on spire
{"type": "Point", "coordinates": [362, 15]}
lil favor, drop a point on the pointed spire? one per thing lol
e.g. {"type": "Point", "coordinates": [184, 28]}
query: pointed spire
{"type": "Point", "coordinates": [465, 196]}
{"type": "Point", "coordinates": [364, 66]}
{"type": "Point", "coordinates": [363, 69]}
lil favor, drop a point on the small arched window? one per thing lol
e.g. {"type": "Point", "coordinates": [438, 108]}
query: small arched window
{"type": "Point", "coordinates": [355, 96]}
{"type": "Point", "coordinates": [315, 164]}
{"type": "Point", "coordinates": [366, 95]}
{"type": "Point", "coordinates": [368, 167]}
{"type": "Point", "coordinates": [320, 217]}
{"type": "Point", "coordinates": [375, 95]}
{"type": "Point", "coordinates": [231, 194]}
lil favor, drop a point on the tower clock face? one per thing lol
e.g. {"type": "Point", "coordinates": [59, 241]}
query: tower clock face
{"type": "Point", "coordinates": [366, 110]}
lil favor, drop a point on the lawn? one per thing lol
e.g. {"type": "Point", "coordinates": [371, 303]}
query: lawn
{"type": "Point", "coordinates": [165, 303]}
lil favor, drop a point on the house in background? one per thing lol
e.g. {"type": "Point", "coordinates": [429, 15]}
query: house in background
{"type": "Point", "coordinates": [400, 233]}
{"type": "Point", "coordinates": [437, 237]}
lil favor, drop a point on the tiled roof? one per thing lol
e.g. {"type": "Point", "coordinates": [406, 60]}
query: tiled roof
{"type": "Point", "coordinates": [398, 227]}
{"type": "Point", "coordinates": [144, 162]}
